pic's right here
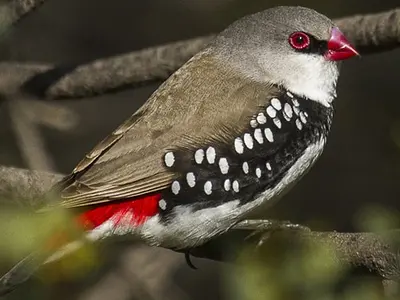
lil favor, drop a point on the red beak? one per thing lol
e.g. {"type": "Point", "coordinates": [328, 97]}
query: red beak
{"type": "Point", "coordinates": [339, 48]}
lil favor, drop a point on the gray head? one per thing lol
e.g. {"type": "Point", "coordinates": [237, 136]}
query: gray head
{"type": "Point", "coordinates": [294, 47]}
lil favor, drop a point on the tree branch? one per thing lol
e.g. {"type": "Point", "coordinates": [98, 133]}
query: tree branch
{"type": "Point", "coordinates": [377, 253]}
{"type": "Point", "coordinates": [372, 33]}
{"type": "Point", "coordinates": [25, 187]}
{"type": "Point", "coordinates": [13, 11]}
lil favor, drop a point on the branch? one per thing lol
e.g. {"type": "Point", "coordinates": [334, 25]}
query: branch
{"type": "Point", "coordinates": [13, 11]}
{"type": "Point", "coordinates": [377, 253]}
{"type": "Point", "coordinates": [372, 33]}
{"type": "Point", "coordinates": [373, 252]}
{"type": "Point", "coordinates": [25, 187]}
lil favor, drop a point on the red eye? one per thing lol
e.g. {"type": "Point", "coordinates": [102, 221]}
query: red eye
{"type": "Point", "coordinates": [299, 40]}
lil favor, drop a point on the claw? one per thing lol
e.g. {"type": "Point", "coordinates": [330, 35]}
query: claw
{"type": "Point", "coordinates": [189, 261]}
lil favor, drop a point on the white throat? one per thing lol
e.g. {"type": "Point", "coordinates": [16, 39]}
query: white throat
{"type": "Point", "coordinates": [312, 77]}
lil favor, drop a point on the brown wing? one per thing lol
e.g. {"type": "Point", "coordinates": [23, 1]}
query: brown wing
{"type": "Point", "coordinates": [187, 111]}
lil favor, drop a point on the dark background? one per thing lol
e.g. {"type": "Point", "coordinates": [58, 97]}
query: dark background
{"type": "Point", "coordinates": [360, 167]}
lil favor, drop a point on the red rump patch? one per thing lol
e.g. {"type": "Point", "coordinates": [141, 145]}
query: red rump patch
{"type": "Point", "coordinates": [140, 209]}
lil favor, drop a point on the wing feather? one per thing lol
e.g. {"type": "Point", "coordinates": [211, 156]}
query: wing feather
{"type": "Point", "coordinates": [185, 113]}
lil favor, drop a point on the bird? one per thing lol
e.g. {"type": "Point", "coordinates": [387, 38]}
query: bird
{"type": "Point", "coordinates": [227, 134]}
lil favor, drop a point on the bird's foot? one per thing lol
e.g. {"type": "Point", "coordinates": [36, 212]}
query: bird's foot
{"type": "Point", "coordinates": [189, 261]}
{"type": "Point", "coordinates": [265, 228]}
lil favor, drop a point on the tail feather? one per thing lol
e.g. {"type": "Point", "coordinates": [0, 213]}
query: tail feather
{"type": "Point", "coordinates": [20, 273]}
{"type": "Point", "coordinates": [28, 266]}
{"type": "Point", "coordinates": [56, 248]}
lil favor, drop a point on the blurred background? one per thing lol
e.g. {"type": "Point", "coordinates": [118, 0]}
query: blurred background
{"type": "Point", "coordinates": [358, 172]}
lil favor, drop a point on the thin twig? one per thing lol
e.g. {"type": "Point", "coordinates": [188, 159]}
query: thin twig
{"type": "Point", "coordinates": [372, 33]}
{"type": "Point", "coordinates": [29, 139]}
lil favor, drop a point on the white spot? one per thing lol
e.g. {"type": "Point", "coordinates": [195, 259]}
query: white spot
{"type": "Point", "coordinates": [169, 159]}
{"type": "Point", "coordinates": [298, 124]}
{"type": "Point", "coordinates": [248, 140]}
{"type": "Point", "coordinates": [239, 145]}
{"type": "Point", "coordinates": [208, 187]}
{"type": "Point", "coordinates": [295, 102]}
{"type": "Point", "coordinates": [258, 172]}
{"type": "Point", "coordinates": [235, 186]}
{"type": "Point", "coordinates": [289, 94]}
{"type": "Point", "coordinates": [268, 165]}
{"type": "Point", "coordinates": [306, 114]}
{"type": "Point", "coordinates": [199, 156]}
{"type": "Point", "coordinates": [286, 117]}
{"type": "Point", "coordinates": [296, 110]}
{"type": "Point", "coordinates": [276, 103]}
{"type": "Point", "coordinates": [277, 123]}
{"type": "Point", "coordinates": [227, 184]}
{"type": "Point", "coordinates": [223, 165]}
{"type": "Point", "coordinates": [261, 118]}
{"type": "Point", "coordinates": [288, 110]}
{"type": "Point", "coordinates": [258, 136]}
{"type": "Point", "coordinates": [191, 179]}
{"type": "Point", "coordinates": [176, 187]}
{"type": "Point", "coordinates": [245, 167]}
{"type": "Point", "coordinates": [271, 111]}
{"type": "Point", "coordinates": [303, 118]}
{"type": "Point", "coordinates": [162, 204]}
{"type": "Point", "coordinates": [253, 123]}
{"type": "Point", "coordinates": [269, 135]}
{"type": "Point", "coordinates": [210, 153]}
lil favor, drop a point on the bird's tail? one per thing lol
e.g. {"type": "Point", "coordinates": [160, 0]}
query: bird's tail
{"type": "Point", "coordinates": [25, 268]}
{"type": "Point", "coordinates": [59, 242]}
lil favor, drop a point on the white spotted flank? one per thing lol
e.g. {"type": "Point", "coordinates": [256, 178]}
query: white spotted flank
{"type": "Point", "coordinates": [169, 159]}
{"type": "Point", "coordinates": [227, 184]}
{"type": "Point", "coordinates": [210, 153]}
{"type": "Point", "coordinates": [235, 186]}
{"type": "Point", "coordinates": [258, 172]}
{"type": "Point", "coordinates": [245, 167]}
{"type": "Point", "coordinates": [223, 165]}
{"type": "Point", "coordinates": [239, 148]}
{"type": "Point", "coordinates": [253, 123]}
{"type": "Point", "coordinates": [176, 187]}
{"type": "Point", "coordinates": [162, 204]}
{"type": "Point", "coordinates": [271, 111]}
{"type": "Point", "coordinates": [199, 156]}
{"type": "Point", "coordinates": [303, 118]}
{"type": "Point", "coordinates": [248, 140]}
{"type": "Point", "coordinates": [258, 136]}
{"type": "Point", "coordinates": [295, 102]}
{"type": "Point", "coordinates": [276, 103]}
{"type": "Point", "coordinates": [288, 110]}
{"type": "Point", "coordinates": [191, 179]}
{"type": "Point", "coordinates": [261, 118]}
{"type": "Point", "coordinates": [208, 187]}
{"type": "Point", "coordinates": [277, 123]}
{"type": "Point", "coordinates": [269, 135]}
{"type": "Point", "coordinates": [298, 124]}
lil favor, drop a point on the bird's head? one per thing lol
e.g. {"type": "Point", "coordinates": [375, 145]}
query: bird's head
{"type": "Point", "coordinates": [294, 47]}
